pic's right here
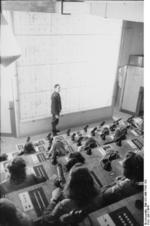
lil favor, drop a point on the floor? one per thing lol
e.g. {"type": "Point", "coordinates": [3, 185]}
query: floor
{"type": "Point", "coordinates": [8, 144]}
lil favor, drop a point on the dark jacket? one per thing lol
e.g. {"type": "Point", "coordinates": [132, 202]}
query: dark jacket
{"type": "Point", "coordinates": [55, 103]}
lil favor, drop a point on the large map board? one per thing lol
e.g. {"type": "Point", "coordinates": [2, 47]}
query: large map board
{"type": "Point", "coordinates": [80, 53]}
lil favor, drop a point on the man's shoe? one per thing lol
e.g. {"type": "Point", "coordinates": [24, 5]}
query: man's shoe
{"type": "Point", "coordinates": [57, 130]}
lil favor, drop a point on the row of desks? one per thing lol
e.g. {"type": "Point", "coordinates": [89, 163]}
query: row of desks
{"type": "Point", "coordinates": [47, 187]}
{"type": "Point", "coordinates": [93, 163]}
{"type": "Point", "coordinates": [97, 218]}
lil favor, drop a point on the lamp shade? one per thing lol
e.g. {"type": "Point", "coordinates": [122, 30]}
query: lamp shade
{"type": "Point", "coordinates": [9, 49]}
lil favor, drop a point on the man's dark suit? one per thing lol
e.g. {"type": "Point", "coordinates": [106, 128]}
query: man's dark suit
{"type": "Point", "coordinates": [55, 110]}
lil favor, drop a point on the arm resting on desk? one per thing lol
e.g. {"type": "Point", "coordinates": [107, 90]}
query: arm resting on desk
{"type": "Point", "coordinates": [68, 211]}
{"type": "Point", "coordinates": [39, 179]}
{"type": "Point", "coordinates": [121, 189]}
{"type": "Point", "coordinates": [54, 211]}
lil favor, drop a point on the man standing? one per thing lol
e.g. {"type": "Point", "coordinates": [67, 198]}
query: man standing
{"type": "Point", "coordinates": [55, 108]}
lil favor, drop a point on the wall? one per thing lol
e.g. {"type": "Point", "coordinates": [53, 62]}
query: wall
{"type": "Point", "coordinates": [6, 98]}
{"type": "Point", "coordinates": [71, 120]}
{"type": "Point", "coordinates": [69, 50]}
{"type": "Point", "coordinates": [132, 12]}
{"type": "Point", "coordinates": [129, 11]}
{"type": "Point", "coordinates": [132, 85]}
{"type": "Point", "coordinates": [126, 10]}
{"type": "Point", "coordinates": [7, 73]}
{"type": "Point", "coordinates": [132, 41]}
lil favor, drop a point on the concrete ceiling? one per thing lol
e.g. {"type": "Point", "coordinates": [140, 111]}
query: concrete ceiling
{"type": "Point", "coordinates": [29, 5]}
{"type": "Point", "coordinates": [42, 5]}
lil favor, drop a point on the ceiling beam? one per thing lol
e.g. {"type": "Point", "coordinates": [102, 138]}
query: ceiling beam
{"type": "Point", "coordinates": [102, 0]}
{"type": "Point", "coordinates": [48, 6]}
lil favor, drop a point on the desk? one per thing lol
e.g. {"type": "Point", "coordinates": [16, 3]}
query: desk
{"type": "Point", "coordinates": [47, 186]}
{"type": "Point", "coordinates": [30, 163]}
{"type": "Point", "coordinates": [14, 197]}
{"type": "Point", "coordinates": [27, 157]}
{"type": "Point", "coordinates": [128, 202]}
{"type": "Point", "coordinates": [93, 163]}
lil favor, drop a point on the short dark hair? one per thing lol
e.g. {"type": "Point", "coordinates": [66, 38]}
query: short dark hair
{"type": "Point", "coordinates": [75, 157]}
{"type": "Point", "coordinates": [80, 186]}
{"type": "Point", "coordinates": [133, 166]}
{"type": "Point", "coordinates": [56, 85]}
{"type": "Point", "coordinates": [7, 211]}
{"type": "Point", "coordinates": [17, 169]}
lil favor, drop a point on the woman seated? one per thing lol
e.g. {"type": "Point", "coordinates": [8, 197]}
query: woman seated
{"type": "Point", "coordinates": [74, 158]}
{"type": "Point", "coordinates": [79, 193]}
{"type": "Point", "coordinates": [3, 157]}
{"type": "Point", "coordinates": [58, 148]}
{"type": "Point", "coordinates": [11, 216]}
{"type": "Point", "coordinates": [29, 147]}
{"type": "Point", "coordinates": [130, 183]}
{"type": "Point", "coordinates": [18, 177]}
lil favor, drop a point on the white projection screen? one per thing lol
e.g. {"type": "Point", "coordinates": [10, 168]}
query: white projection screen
{"type": "Point", "coordinates": [78, 52]}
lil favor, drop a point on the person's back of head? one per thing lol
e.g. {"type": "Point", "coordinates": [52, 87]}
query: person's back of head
{"type": "Point", "coordinates": [29, 147]}
{"type": "Point", "coordinates": [133, 166]}
{"type": "Point", "coordinates": [75, 157]}
{"type": "Point", "coordinates": [3, 157]}
{"type": "Point", "coordinates": [17, 170]}
{"type": "Point", "coordinates": [11, 216]}
{"type": "Point", "coordinates": [7, 212]}
{"type": "Point", "coordinates": [80, 186]}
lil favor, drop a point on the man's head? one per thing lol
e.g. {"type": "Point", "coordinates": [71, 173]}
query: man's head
{"type": "Point", "coordinates": [57, 88]}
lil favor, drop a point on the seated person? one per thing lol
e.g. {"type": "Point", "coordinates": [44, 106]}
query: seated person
{"type": "Point", "coordinates": [89, 144]}
{"type": "Point", "coordinates": [29, 148]}
{"type": "Point", "coordinates": [130, 183]}
{"type": "Point", "coordinates": [18, 177]}
{"type": "Point", "coordinates": [58, 148]}
{"type": "Point", "coordinates": [11, 216]}
{"type": "Point", "coordinates": [3, 157]}
{"type": "Point", "coordinates": [73, 158]}
{"type": "Point", "coordinates": [79, 193]}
